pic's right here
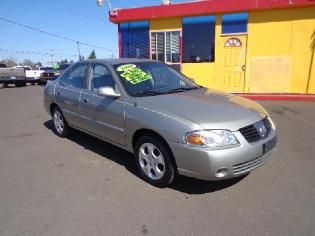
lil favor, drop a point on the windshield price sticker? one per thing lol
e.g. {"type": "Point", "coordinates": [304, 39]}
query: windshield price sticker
{"type": "Point", "coordinates": [133, 74]}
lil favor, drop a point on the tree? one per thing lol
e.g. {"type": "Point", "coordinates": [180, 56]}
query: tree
{"type": "Point", "coordinates": [65, 61]}
{"type": "Point", "coordinates": [92, 55]}
{"type": "Point", "coordinates": [28, 62]}
{"type": "Point", "coordinates": [10, 62]}
{"type": "Point", "coordinates": [38, 64]}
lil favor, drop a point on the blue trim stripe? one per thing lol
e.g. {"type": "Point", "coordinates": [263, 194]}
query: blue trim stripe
{"type": "Point", "coordinates": [198, 19]}
{"type": "Point", "coordinates": [234, 23]}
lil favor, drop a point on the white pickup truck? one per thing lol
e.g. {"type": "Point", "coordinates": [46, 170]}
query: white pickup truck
{"type": "Point", "coordinates": [32, 76]}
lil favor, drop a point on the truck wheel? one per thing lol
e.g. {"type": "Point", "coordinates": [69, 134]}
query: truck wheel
{"type": "Point", "coordinates": [153, 159]}
{"type": "Point", "coordinates": [60, 126]}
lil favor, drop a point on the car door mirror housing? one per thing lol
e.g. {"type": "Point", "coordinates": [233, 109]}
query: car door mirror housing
{"type": "Point", "coordinates": [107, 91]}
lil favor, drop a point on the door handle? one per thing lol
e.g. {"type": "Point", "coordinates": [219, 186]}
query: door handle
{"type": "Point", "coordinates": [85, 100]}
{"type": "Point", "coordinates": [68, 102]}
{"type": "Point", "coordinates": [243, 67]}
{"type": "Point", "coordinates": [58, 93]}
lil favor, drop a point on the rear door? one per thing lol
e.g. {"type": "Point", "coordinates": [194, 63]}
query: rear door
{"type": "Point", "coordinates": [104, 116]}
{"type": "Point", "coordinates": [68, 91]}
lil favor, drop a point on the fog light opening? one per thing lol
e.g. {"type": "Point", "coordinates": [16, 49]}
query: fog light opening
{"type": "Point", "coordinates": [222, 172]}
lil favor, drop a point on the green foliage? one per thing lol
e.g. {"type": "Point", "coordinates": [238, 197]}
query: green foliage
{"type": "Point", "coordinates": [92, 55]}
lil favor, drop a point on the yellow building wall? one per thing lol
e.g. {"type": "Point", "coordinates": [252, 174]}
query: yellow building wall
{"type": "Point", "coordinates": [279, 52]}
{"type": "Point", "coordinates": [279, 55]}
{"type": "Point", "coordinates": [302, 51]}
{"type": "Point", "coordinates": [201, 73]}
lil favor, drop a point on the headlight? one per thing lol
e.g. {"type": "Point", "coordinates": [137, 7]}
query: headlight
{"type": "Point", "coordinates": [211, 138]}
{"type": "Point", "coordinates": [271, 123]}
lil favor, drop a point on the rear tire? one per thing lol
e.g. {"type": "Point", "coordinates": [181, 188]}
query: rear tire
{"type": "Point", "coordinates": [60, 125]}
{"type": "Point", "coordinates": [154, 161]}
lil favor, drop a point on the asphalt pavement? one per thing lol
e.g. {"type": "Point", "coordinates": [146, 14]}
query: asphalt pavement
{"type": "Point", "coordinates": [83, 186]}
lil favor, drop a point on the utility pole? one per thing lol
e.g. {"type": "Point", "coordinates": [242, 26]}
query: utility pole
{"type": "Point", "coordinates": [78, 43]}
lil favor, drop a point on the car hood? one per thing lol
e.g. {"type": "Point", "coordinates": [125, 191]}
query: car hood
{"type": "Point", "coordinates": [208, 108]}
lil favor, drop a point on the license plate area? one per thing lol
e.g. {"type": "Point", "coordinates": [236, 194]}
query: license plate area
{"type": "Point", "coordinates": [269, 145]}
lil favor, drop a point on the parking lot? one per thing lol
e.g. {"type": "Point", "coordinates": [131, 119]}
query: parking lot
{"type": "Point", "coordinates": [83, 186]}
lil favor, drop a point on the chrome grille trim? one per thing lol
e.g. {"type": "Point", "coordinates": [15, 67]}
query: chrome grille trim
{"type": "Point", "coordinates": [251, 134]}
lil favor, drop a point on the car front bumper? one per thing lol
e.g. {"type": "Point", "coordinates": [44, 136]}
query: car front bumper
{"type": "Point", "coordinates": [45, 79]}
{"type": "Point", "coordinates": [32, 79]}
{"type": "Point", "coordinates": [216, 164]}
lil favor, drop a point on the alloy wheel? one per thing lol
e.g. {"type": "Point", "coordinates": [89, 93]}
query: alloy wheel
{"type": "Point", "coordinates": [151, 161]}
{"type": "Point", "coordinates": [59, 122]}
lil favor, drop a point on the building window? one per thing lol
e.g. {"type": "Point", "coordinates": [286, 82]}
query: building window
{"type": "Point", "coordinates": [165, 46]}
{"type": "Point", "coordinates": [198, 39]}
{"type": "Point", "coordinates": [134, 39]}
{"type": "Point", "coordinates": [234, 23]}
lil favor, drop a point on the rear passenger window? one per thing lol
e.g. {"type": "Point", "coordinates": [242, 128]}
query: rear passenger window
{"type": "Point", "coordinates": [100, 77]}
{"type": "Point", "coordinates": [75, 77]}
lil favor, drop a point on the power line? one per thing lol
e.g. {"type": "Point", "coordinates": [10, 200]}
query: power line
{"type": "Point", "coordinates": [55, 35]}
{"type": "Point", "coordinates": [46, 53]}
{"type": "Point", "coordinates": [66, 11]}
{"type": "Point", "coordinates": [35, 52]}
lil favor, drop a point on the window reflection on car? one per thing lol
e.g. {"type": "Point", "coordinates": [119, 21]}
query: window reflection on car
{"type": "Point", "coordinates": [163, 80]}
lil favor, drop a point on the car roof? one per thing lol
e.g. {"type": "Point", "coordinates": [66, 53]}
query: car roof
{"type": "Point", "coordinates": [119, 61]}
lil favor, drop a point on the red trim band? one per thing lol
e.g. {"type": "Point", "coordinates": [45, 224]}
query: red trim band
{"type": "Point", "coordinates": [202, 8]}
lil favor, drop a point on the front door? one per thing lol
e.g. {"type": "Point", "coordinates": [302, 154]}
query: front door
{"type": "Point", "coordinates": [103, 116]}
{"type": "Point", "coordinates": [232, 63]}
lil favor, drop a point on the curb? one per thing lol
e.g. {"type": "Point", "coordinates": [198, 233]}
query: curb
{"type": "Point", "coordinates": [279, 97]}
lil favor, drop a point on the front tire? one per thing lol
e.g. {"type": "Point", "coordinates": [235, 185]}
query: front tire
{"type": "Point", "coordinates": [154, 161]}
{"type": "Point", "coordinates": [60, 125]}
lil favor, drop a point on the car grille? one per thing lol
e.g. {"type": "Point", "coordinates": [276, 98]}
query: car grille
{"type": "Point", "coordinates": [48, 74]}
{"type": "Point", "coordinates": [251, 134]}
{"type": "Point", "coordinates": [249, 165]}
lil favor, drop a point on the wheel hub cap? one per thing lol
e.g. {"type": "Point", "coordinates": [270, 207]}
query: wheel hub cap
{"type": "Point", "coordinates": [58, 122]}
{"type": "Point", "coordinates": [151, 161]}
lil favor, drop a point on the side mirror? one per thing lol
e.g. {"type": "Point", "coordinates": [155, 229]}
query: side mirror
{"type": "Point", "coordinates": [107, 92]}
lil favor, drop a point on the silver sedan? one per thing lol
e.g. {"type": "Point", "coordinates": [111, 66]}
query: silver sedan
{"type": "Point", "coordinates": [172, 125]}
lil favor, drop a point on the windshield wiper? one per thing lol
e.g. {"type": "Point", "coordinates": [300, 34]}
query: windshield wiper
{"type": "Point", "coordinates": [181, 90]}
{"type": "Point", "coordinates": [147, 93]}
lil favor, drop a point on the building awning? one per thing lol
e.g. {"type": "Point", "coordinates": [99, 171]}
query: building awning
{"type": "Point", "coordinates": [201, 8]}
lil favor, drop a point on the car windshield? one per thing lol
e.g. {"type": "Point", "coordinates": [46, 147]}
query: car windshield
{"type": "Point", "coordinates": [152, 78]}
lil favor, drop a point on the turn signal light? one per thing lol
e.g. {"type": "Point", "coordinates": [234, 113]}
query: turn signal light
{"type": "Point", "coordinates": [194, 139]}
